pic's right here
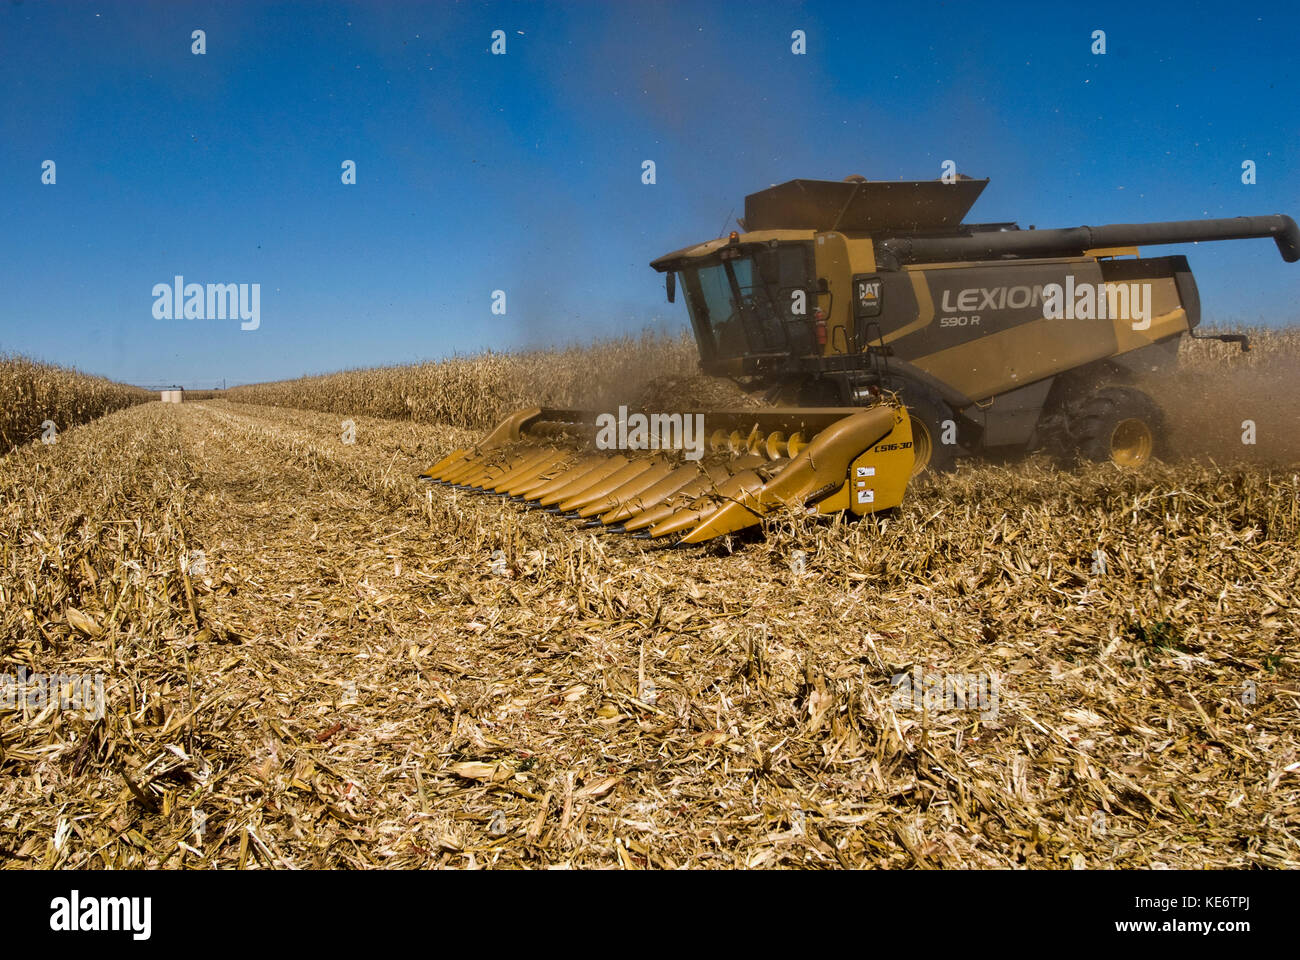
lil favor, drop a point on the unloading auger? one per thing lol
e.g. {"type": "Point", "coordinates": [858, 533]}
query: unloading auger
{"type": "Point", "coordinates": [760, 461]}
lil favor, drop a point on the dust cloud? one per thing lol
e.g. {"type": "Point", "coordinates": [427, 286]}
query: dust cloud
{"type": "Point", "coordinates": [1217, 393]}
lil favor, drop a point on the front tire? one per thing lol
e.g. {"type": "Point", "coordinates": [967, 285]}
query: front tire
{"type": "Point", "coordinates": [931, 418]}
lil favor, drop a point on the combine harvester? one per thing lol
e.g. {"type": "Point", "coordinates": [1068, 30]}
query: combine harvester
{"type": "Point", "coordinates": [896, 337]}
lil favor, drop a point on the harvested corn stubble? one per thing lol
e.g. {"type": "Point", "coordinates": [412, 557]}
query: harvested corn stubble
{"type": "Point", "coordinates": [309, 659]}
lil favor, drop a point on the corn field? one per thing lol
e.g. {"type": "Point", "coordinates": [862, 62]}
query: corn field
{"type": "Point", "coordinates": [32, 394]}
{"type": "Point", "coordinates": [476, 391]}
{"type": "Point", "coordinates": [311, 659]}
{"type": "Point", "coordinates": [1268, 345]}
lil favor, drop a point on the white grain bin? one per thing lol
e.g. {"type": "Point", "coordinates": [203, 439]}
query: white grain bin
{"type": "Point", "coordinates": [173, 396]}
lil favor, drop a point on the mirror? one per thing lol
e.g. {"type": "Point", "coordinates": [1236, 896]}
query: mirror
{"type": "Point", "coordinates": [670, 282]}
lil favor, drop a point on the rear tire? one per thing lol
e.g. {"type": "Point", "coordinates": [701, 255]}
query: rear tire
{"type": "Point", "coordinates": [1119, 424]}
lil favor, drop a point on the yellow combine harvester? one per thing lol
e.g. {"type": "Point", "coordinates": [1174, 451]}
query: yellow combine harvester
{"type": "Point", "coordinates": [762, 460]}
{"type": "Point", "coordinates": [837, 295]}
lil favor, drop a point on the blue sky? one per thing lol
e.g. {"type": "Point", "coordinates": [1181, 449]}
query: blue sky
{"type": "Point", "coordinates": [522, 172]}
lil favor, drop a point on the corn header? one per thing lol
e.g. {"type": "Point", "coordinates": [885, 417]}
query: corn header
{"type": "Point", "coordinates": [758, 462]}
